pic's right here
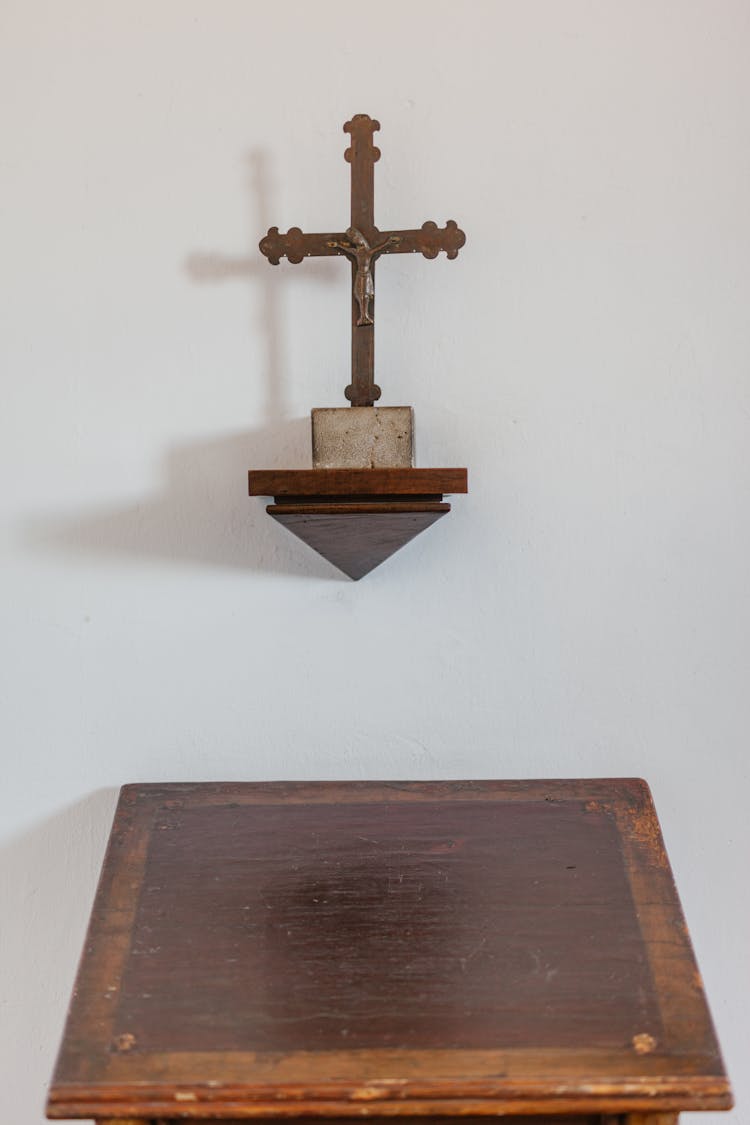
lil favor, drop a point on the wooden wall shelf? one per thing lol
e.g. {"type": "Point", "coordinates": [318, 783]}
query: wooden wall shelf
{"type": "Point", "coordinates": [356, 518]}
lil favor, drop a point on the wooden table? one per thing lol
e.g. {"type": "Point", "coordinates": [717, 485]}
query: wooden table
{"type": "Point", "coordinates": [340, 950]}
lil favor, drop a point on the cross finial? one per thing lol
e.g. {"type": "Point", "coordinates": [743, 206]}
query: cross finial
{"type": "Point", "coordinates": [363, 244]}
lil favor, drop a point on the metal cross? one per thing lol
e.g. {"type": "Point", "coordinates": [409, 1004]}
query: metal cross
{"type": "Point", "coordinates": [363, 243]}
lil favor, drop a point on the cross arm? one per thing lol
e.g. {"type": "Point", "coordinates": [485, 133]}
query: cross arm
{"type": "Point", "coordinates": [297, 246]}
{"type": "Point", "coordinates": [429, 240]}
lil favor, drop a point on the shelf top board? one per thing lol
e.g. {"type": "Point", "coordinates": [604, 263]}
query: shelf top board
{"type": "Point", "coordinates": [356, 482]}
{"type": "Point", "coordinates": [403, 948]}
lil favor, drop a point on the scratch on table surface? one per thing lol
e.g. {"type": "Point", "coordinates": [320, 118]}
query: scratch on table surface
{"type": "Point", "coordinates": [463, 961]}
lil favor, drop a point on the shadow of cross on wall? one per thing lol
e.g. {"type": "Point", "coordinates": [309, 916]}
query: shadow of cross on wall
{"type": "Point", "coordinates": [202, 515]}
{"type": "Point", "coordinates": [202, 267]}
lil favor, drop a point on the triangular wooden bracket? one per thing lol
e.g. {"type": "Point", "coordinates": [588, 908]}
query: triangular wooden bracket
{"type": "Point", "coordinates": [357, 518]}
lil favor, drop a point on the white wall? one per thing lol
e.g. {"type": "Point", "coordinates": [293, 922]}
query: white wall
{"type": "Point", "coordinates": [583, 611]}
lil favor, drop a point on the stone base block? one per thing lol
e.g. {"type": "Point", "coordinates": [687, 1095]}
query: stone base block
{"type": "Point", "coordinates": [363, 437]}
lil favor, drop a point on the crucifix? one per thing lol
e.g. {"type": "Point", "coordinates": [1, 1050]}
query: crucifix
{"type": "Point", "coordinates": [363, 244]}
{"type": "Point", "coordinates": [364, 498]}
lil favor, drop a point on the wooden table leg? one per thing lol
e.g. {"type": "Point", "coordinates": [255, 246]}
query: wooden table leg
{"type": "Point", "coordinates": [646, 1119]}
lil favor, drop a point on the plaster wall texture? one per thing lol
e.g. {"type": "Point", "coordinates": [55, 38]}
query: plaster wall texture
{"type": "Point", "coordinates": [584, 611]}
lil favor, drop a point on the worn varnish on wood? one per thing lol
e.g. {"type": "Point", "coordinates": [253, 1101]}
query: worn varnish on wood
{"type": "Point", "coordinates": [450, 949]}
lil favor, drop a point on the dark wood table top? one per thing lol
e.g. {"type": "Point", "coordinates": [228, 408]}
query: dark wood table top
{"type": "Point", "coordinates": [448, 948]}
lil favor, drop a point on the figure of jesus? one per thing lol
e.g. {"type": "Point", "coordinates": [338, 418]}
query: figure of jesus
{"type": "Point", "coordinates": [360, 251]}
